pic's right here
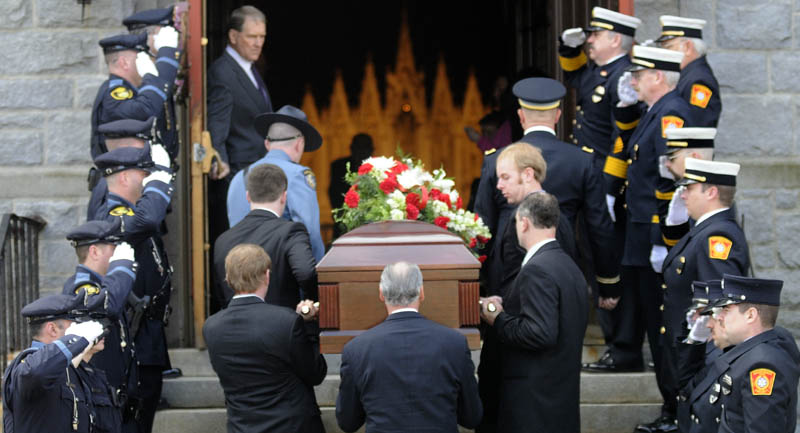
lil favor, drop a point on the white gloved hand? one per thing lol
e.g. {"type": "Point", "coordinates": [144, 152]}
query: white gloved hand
{"type": "Point", "coordinates": [677, 213]}
{"type": "Point", "coordinates": [145, 65]}
{"type": "Point", "coordinates": [627, 95]}
{"type": "Point", "coordinates": [663, 171]}
{"type": "Point", "coordinates": [648, 43]}
{"type": "Point", "coordinates": [160, 156]}
{"type": "Point", "coordinates": [123, 251]}
{"type": "Point", "coordinates": [691, 318]}
{"type": "Point", "coordinates": [700, 332]}
{"type": "Point", "coordinates": [610, 200]}
{"type": "Point", "coordinates": [657, 256]}
{"type": "Point", "coordinates": [166, 37]}
{"type": "Point", "coordinates": [573, 37]}
{"type": "Point", "coordinates": [88, 330]}
{"type": "Point", "coordinates": [163, 176]}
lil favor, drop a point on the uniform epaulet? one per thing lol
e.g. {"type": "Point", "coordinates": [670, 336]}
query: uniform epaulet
{"type": "Point", "coordinates": [587, 149]}
{"type": "Point", "coordinates": [489, 152]}
{"type": "Point", "coordinates": [91, 289]}
{"type": "Point", "coordinates": [121, 93]}
{"type": "Point", "coordinates": [121, 211]}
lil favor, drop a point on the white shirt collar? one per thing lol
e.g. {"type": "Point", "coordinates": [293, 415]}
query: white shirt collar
{"type": "Point", "coordinates": [540, 128]}
{"type": "Point", "coordinates": [243, 63]}
{"type": "Point", "coordinates": [534, 249]}
{"type": "Point", "coordinates": [403, 310]}
{"type": "Point", "coordinates": [266, 209]}
{"type": "Point", "coordinates": [611, 60]}
{"type": "Point", "coordinates": [245, 295]}
{"type": "Point", "coordinates": [708, 215]}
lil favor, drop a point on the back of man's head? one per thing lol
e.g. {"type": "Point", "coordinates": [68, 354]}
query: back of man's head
{"type": "Point", "coordinates": [265, 183]}
{"type": "Point", "coordinates": [361, 147]}
{"type": "Point", "coordinates": [541, 209]}
{"type": "Point", "coordinates": [401, 283]}
{"type": "Point", "coordinates": [246, 267]}
{"type": "Point", "coordinates": [524, 155]}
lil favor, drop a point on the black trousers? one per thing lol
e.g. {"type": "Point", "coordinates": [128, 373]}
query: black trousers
{"type": "Point", "coordinates": [489, 379]}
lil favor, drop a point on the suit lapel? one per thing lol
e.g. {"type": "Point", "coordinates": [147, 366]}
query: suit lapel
{"type": "Point", "coordinates": [247, 86]}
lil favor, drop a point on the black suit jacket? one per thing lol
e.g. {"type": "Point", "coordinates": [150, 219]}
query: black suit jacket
{"type": "Point", "coordinates": [233, 104]}
{"type": "Point", "coordinates": [408, 374]}
{"type": "Point", "coordinates": [293, 274]}
{"type": "Point", "coordinates": [268, 365]}
{"type": "Point", "coordinates": [541, 333]}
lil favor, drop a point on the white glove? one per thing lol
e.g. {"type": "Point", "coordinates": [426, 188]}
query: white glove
{"type": "Point", "coordinates": [88, 330]}
{"type": "Point", "coordinates": [657, 256]}
{"type": "Point", "coordinates": [648, 43]}
{"type": "Point", "coordinates": [123, 251]}
{"type": "Point", "coordinates": [663, 171]}
{"type": "Point", "coordinates": [677, 213]}
{"type": "Point", "coordinates": [145, 65]}
{"type": "Point", "coordinates": [160, 156]}
{"type": "Point", "coordinates": [610, 200]}
{"type": "Point", "coordinates": [166, 37]}
{"type": "Point", "coordinates": [700, 332]}
{"type": "Point", "coordinates": [163, 176]}
{"type": "Point", "coordinates": [627, 95]}
{"type": "Point", "coordinates": [573, 37]}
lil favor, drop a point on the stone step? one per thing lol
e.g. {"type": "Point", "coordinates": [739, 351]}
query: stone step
{"type": "Point", "coordinates": [596, 388]}
{"type": "Point", "coordinates": [595, 418]}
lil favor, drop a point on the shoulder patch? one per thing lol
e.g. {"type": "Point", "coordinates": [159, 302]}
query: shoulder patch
{"type": "Point", "coordinates": [719, 247]}
{"type": "Point", "coordinates": [489, 152]}
{"type": "Point", "coordinates": [121, 93]}
{"type": "Point", "coordinates": [90, 288]}
{"type": "Point", "coordinates": [587, 149]}
{"type": "Point", "coordinates": [761, 381]}
{"type": "Point", "coordinates": [700, 95]}
{"type": "Point", "coordinates": [311, 180]}
{"type": "Point", "coordinates": [121, 211]}
{"type": "Point", "coordinates": [668, 122]}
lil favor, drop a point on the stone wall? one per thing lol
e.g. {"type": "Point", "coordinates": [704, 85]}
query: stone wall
{"type": "Point", "coordinates": [754, 51]}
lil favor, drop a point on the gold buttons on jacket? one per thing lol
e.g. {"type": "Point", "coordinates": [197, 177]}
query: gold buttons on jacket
{"type": "Point", "coordinates": [683, 259]}
{"type": "Point", "coordinates": [663, 330]}
{"type": "Point", "coordinates": [661, 307]}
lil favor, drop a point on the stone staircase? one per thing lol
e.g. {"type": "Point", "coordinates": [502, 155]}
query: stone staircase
{"type": "Point", "coordinates": [610, 403]}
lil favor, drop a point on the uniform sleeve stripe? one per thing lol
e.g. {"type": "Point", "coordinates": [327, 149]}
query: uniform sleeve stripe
{"type": "Point", "coordinates": [64, 350]}
{"type": "Point", "coordinates": [570, 64]}
{"type": "Point", "coordinates": [166, 197]}
{"type": "Point", "coordinates": [627, 126]}
{"type": "Point", "coordinates": [616, 167]}
{"type": "Point", "coordinates": [168, 61]}
{"type": "Point", "coordinates": [124, 270]}
{"type": "Point", "coordinates": [664, 195]}
{"type": "Point", "coordinates": [669, 242]}
{"type": "Point", "coordinates": [611, 280]}
{"type": "Point", "coordinates": [154, 89]}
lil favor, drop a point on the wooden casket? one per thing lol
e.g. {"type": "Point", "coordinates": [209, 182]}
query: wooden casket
{"type": "Point", "coordinates": [350, 272]}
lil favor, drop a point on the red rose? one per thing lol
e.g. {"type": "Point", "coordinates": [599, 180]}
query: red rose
{"type": "Point", "coordinates": [388, 185]}
{"type": "Point", "coordinates": [364, 169]}
{"type": "Point", "coordinates": [441, 221]}
{"type": "Point", "coordinates": [399, 167]}
{"type": "Point", "coordinates": [476, 217]}
{"type": "Point", "coordinates": [482, 239]}
{"type": "Point", "coordinates": [435, 193]}
{"type": "Point", "coordinates": [473, 243]}
{"type": "Point", "coordinates": [411, 212]}
{"type": "Point", "coordinates": [424, 201]}
{"type": "Point", "coordinates": [459, 203]}
{"type": "Point", "coordinates": [445, 198]}
{"type": "Point", "coordinates": [482, 258]}
{"type": "Point", "coordinates": [351, 198]}
{"type": "Point", "coordinates": [413, 199]}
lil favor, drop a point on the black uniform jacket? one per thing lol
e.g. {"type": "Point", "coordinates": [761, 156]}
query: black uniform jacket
{"type": "Point", "coordinates": [268, 366]}
{"type": "Point", "coordinates": [408, 374]}
{"type": "Point", "coordinates": [698, 86]}
{"type": "Point", "coordinates": [712, 248]}
{"type": "Point", "coordinates": [541, 332]}
{"type": "Point", "coordinates": [293, 275]}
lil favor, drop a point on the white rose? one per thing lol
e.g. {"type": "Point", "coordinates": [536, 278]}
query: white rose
{"type": "Point", "coordinates": [381, 163]}
{"type": "Point", "coordinates": [397, 214]}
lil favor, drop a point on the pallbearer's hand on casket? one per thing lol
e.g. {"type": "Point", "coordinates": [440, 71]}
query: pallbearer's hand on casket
{"type": "Point", "coordinates": [308, 309]}
{"type": "Point", "coordinates": [491, 307]}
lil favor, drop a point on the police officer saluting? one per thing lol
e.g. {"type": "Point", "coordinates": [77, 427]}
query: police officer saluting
{"type": "Point", "coordinates": [42, 390]}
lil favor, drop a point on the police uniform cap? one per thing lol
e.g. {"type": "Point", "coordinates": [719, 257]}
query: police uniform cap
{"type": "Point", "coordinates": [604, 19]}
{"type": "Point", "coordinates": [690, 138]}
{"type": "Point", "coordinates": [655, 58]}
{"type": "Point", "coordinates": [295, 117]}
{"type": "Point", "coordinates": [94, 232]}
{"type": "Point", "coordinates": [679, 27]}
{"type": "Point", "coordinates": [539, 93]}
{"type": "Point", "coordinates": [150, 17]}
{"type": "Point", "coordinates": [124, 158]}
{"type": "Point", "coordinates": [711, 172]}
{"type": "Point", "coordinates": [115, 43]}
{"type": "Point", "coordinates": [705, 294]}
{"type": "Point", "coordinates": [88, 306]}
{"type": "Point", "coordinates": [736, 290]}
{"type": "Point", "coordinates": [125, 128]}
{"type": "Point", "coordinates": [49, 308]}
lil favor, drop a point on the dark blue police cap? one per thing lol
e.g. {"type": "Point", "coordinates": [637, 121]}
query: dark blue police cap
{"type": "Point", "coordinates": [124, 158]}
{"type": "Point", "coordinates": [115, 43]}
{"type": "Point", "coordinates": [539, 93]}
{"type": "Point", "coordinates": [129, 128]}
{"type": "Point", "coordinates": [89, 305]}
{"type": "Point", "coordinates": [705, 294]}
{"type": "Point", "coordinates": [49, 308]}
{"type": "Point", "coordinates": [94, 232]}
{"type": "Point", "coordinates": [150, 17]}
{"type": "Point", "coordinates": [736, 290]}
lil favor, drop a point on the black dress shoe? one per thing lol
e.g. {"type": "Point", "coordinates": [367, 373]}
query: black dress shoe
{"type": "Point", "coordinates": [606, 364]}
{"type": "Point", "coordinates": [662, 424]}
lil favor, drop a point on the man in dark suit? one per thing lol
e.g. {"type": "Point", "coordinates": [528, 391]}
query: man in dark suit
{"type": "Point", "coordinates": [287, 243]}
{"type": "Point", "coordinates": [266, 360]}
{"type": "Point", "coordinates": [540, 324]}
{"type": "Point", "coordinates": [407, 373]}
{"type": "Point", "coordinates": [360, 149]}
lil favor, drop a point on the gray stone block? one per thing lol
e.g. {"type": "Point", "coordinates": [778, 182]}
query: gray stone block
{"type": "Point", "coordinates": [744, 120]}
{"type": "Point", "coordinates": [53, 283]}
{"type": "Point", "coordinates": [67, 138]}
{"type": "Point", "coordinates": [20, 147]}
{"type": "Point", "coordinates": [37, 52]}
{"type": "Point", "coordinates": [60, 215]}
{"type": "Point", "coordinates": [758, 217]}
{"type": "Point", "coordinates": [6, 206]}
{"type": "Point", "coordinates": [59, 13]}
{"type": "Point", "coordinates": [784, 71]}
{"type": "Point", "coordinates": [703, 10]}
{"type": "Point", "coordinates": [15, 14]}
{"type": "Point", "coordinates": [790, 320]}
{"type": "Point", "coordinates": [22, 120]}
{"type": "Point", "coordinates": [741, 24]}
{"type": "Point", "coordinates": [785, 199]}
{"type": "Point", "coordinates": [788, 228]}
{"type": "Point", "coordinates": [57, 257]}
{"type": "Point", "coordinates": [649, 11]}
{"type": "Point", "coordinates": [762, 256]}
{"type": "Point", "coordinates": [46, 94]}
{"type": "Point", "coordinates": [739, 72]}
{"type": "Point", "coordinates": [47, 181]}
{"type": "Point", "coordinates": [86, 90]}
